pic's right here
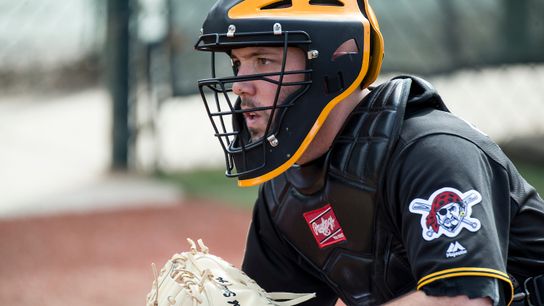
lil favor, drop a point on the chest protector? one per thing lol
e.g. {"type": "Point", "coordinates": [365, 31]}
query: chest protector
{"type": "Point", "coordinates": [329, 210]}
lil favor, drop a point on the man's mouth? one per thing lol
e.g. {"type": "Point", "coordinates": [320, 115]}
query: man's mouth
{"type": "Point", "coordinates": [254, 124]}
{"type": "Point", "coordinates": [251, 117]}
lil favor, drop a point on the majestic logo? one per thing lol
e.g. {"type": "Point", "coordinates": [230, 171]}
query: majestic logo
{"type": "Point", "coordinates": [324, 226]}
{"type": "Point", "coordinates": [455, 249]}
{"type": "Point", "coordinates": [447, 212]}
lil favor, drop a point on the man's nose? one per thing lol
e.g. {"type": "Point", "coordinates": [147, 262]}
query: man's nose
{"type": "Point", "coordinates": [243, 88]}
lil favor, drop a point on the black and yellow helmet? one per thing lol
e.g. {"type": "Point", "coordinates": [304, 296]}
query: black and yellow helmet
{"type": "Point", "coordinates": [319, 28]}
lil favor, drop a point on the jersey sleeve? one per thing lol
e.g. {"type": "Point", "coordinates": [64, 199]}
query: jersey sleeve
{"type": "Point", "coordinates": [453, 210]}
{"type": "Point", "coordinates": [275, 266]}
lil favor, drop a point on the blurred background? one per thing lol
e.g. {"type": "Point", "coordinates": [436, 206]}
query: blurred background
{"type": "Point", "coordinates": [107, 155]}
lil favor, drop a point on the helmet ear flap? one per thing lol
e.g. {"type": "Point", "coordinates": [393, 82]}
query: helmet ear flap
{"type": "Point", "coordinates": [376, 45]}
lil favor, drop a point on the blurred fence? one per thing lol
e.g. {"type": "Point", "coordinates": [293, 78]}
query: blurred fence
{"type": "Point", "coordinates": [50, 45]}
{"type": "Point", "coordinates": [484, 56]}
{"type": "Point", "coordinates": [426, 37]}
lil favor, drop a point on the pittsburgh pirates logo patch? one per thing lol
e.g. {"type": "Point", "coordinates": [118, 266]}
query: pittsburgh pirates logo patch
{"type": "Point", "coordinates": [324, 226]}
{"type": "Point", "coordinates": [447, 212]}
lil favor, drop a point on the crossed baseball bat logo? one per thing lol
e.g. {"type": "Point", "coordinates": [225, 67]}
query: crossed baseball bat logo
{"type": "Point", "coordinates": [470, 199]}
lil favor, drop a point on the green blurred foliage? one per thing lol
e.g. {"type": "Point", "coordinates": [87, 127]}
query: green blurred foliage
{"type": "Point", "coordinates": [212, 184]}
{"type": "Point", "coordinates": [533, 173]}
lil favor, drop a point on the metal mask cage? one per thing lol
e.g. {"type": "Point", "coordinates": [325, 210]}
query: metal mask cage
{"type": "Point", "coordinates": [224, 108]}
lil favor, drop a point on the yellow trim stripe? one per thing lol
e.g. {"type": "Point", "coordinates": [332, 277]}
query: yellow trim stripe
{"type": "Point", "coordinates": [377, 48]}
{"type": "Point", "coordinates": [467, 271]}
{"type": "Point", "coordinates": [299, 9]}
{"type": "Point", "coordinates": [463, 269]}
{"type": "Point", "coordinates": [320, 120]}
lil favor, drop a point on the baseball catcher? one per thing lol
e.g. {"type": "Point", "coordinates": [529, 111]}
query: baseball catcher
{"type": "Point", "coordinates": [200, 278]}
{"type": "Point", "coordinates": [371, 193]}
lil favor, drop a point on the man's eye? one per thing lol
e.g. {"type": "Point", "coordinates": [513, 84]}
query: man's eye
{"type": "Point", "coordinates": [235, 64]}
{"type": "Point", "coordinates": [263, 61]}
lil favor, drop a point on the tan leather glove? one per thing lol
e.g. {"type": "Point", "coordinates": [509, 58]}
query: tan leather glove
{"type": "Point", "coordinates": [199, 278]}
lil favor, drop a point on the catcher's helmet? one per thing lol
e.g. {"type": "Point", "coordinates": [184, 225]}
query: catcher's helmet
{"type": "Point", "coordinates": [319, 28]}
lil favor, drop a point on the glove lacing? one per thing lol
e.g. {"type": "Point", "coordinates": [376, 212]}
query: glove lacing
{"type": "Point", "coordinates": [194, 283]}
{"type": "Point", "coordinates": [187, 279]}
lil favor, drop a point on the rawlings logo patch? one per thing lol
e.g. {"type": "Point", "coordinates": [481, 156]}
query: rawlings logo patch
{"type": "Point", "coordinates": [324, 226]}
{"type": "Point", "coordinates": [447, 212]}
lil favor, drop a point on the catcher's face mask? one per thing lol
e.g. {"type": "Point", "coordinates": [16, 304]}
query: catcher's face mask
{"type": "Point", "coordinates": [288, 72]}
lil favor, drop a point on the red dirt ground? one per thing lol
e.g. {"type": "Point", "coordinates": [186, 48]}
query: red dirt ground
{"type": "Point", "coordinates": [104, 258]}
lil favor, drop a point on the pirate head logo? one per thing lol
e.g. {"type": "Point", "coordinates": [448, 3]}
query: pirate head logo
{"type": "Point", "coordinates": [447, 211]}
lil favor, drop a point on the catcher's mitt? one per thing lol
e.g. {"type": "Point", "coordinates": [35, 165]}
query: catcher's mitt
{"type": "Point", "coordinates": [199, 278]}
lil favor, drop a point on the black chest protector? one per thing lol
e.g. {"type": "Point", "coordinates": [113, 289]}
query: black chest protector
{"type": "Point", "coordinates": [329, 211]}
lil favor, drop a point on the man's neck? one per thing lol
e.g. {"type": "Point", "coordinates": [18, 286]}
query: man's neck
{"type": "Point", "coordinates": [332, 126]}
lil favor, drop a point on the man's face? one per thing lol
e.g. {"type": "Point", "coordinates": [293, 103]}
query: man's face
{"type": "Point", "coordinates": [260, 93]}
{"type": "Point", "coordinates": [450, 216]}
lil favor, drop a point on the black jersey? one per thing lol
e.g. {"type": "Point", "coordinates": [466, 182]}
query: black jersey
{"type": "Point", "coordinates": [448, 214]}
